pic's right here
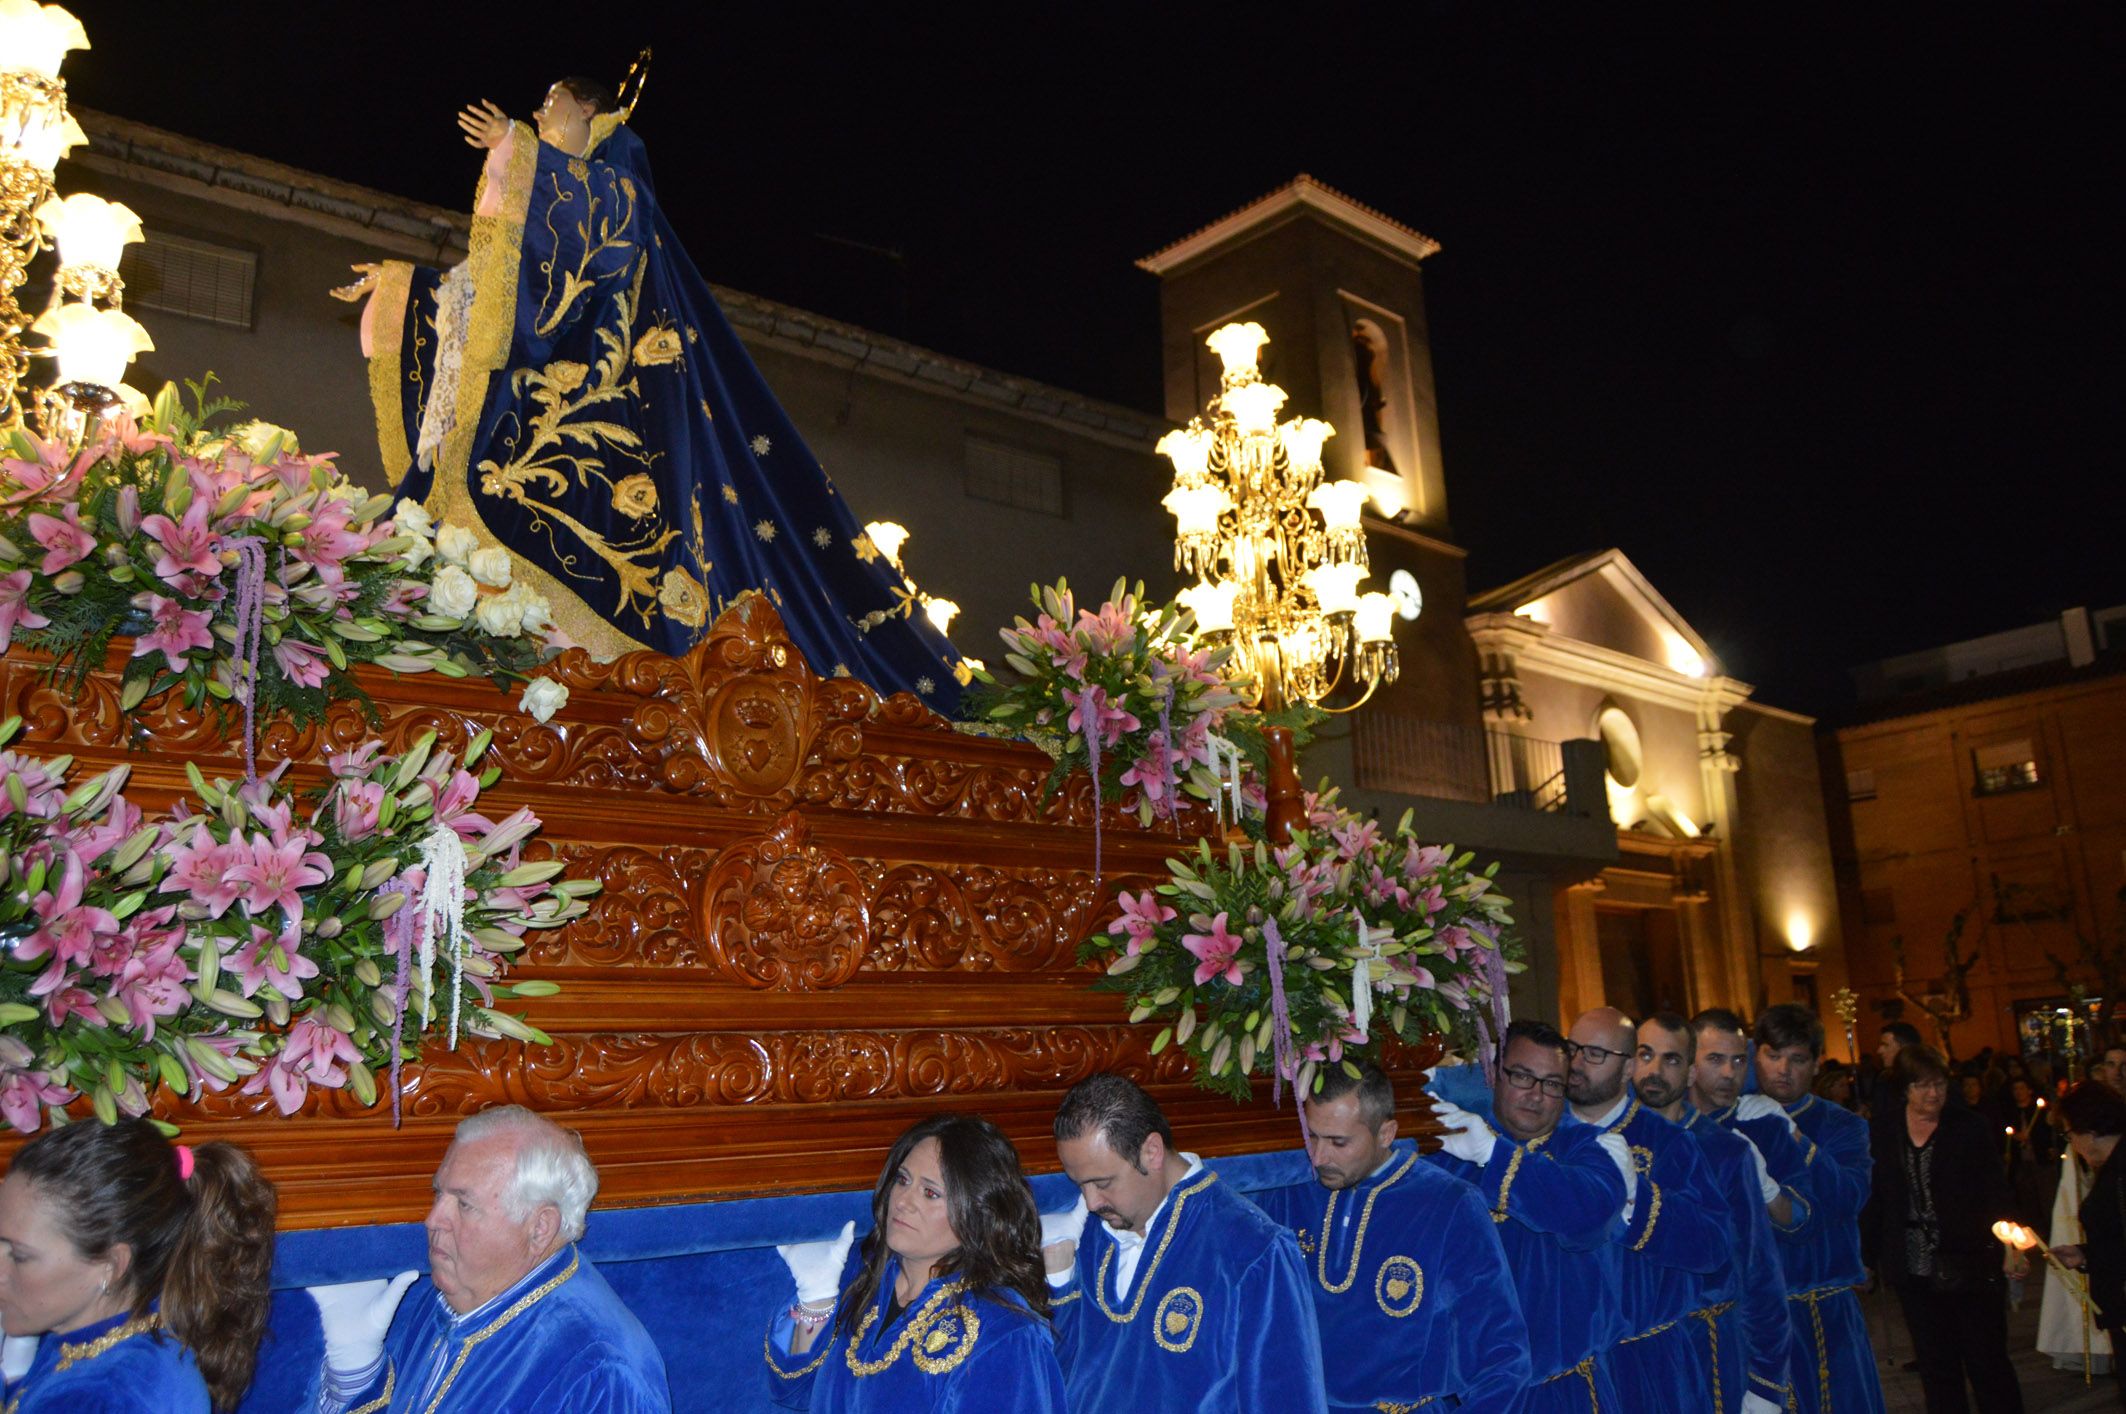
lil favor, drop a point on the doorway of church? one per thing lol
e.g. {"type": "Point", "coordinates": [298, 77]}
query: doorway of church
{"type": "Point", "coordinates": [1642, 960]}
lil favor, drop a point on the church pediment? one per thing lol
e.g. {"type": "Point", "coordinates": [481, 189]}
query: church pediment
{"type": "Point", "coordinates": [1603, 599]}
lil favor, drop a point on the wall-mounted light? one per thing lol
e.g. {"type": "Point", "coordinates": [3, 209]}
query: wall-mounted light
{"type": "Point", "coordinates": [1800, 931]}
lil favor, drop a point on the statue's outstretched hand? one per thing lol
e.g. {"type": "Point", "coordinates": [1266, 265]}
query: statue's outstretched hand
{"type": "Point", "coordinates": [483, 124]}
{"type": "Point", "coordinates": [360, 287]}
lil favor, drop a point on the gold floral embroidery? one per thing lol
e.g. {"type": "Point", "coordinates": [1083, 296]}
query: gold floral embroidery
{"type": "Point", "coordinates": [635, 496]}
{"type": "Point", "coordinates": [602, 231]}
{"type": "Point", "coordinates": [865, 550]}
{"type": "Point", "coordinates": [658, 346]}
{"type": "Point", "coordinates": [683, 598]}
{"type": "Point", "coordinates": [942, 1331]}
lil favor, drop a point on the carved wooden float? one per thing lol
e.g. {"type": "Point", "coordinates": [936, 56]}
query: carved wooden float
{"type": "Point", "coordinates": [825, 915]}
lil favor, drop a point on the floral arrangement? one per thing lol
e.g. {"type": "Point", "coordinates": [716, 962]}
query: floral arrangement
{"type": "Point", "coordinates": [247, 573]}
{"type": "Point", "coordinates": [252, 936]}
{"type": "Point", "coordinates": [1289, 958]}
{"type": "Point", "coordinates": [1125, 694]}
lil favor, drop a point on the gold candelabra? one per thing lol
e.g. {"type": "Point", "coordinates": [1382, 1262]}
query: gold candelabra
{"type": "Point", "coordinates": [1279, 554]}
{"type": "Point", "coordinates": [89, 333]}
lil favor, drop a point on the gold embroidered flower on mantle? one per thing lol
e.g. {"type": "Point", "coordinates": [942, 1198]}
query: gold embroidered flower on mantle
{"type": "Point", "coordinates": [658, 345]}
{"type": "Point", "coordinates": [635, 496]}
{"type": "Point", "coordinates": [683, 598]}
{"type": "Point", "coordinates": [564, 376]}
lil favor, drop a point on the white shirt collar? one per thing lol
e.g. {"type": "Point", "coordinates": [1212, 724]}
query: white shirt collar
{"type": "Point", "coordinates": [1609, 1116]}
{"type": "Point", "coordinates": [1130, 1241]}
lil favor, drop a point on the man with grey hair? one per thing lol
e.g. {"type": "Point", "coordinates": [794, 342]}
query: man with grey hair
{"type": "Point", "coordinates": [515, 1320]}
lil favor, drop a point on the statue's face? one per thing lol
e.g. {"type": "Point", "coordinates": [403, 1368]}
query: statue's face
{"type": "Point", "coordinates": [564, 121]}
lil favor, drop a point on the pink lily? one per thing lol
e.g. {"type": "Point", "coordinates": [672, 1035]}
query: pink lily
{"type": "Point", "coordinates": [1141, 917]}
{"type": "Point", "coordinates": [276, 874]}
{"type": "Point", "coordinates": [63, 537]}
{"type": "Point", "coordinates": [15, 610]}
{"type": "Point", "coordinates": [1216, 948]}
{"type": "Point", "coordinates": [24, 1094]}
{"type": "Point", "coordinates": [177, 630]}
{"type": "Point", "coordinates": [189, 545]}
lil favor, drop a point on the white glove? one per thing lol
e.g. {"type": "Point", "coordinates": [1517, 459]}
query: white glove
{"type": "Point", "coordinates": [1620, 1154]}
{"type": "Point", "coordinates": [1066, 1226]}
{"type": "Point", "coordinates": [817, 1266]}
{"type": "Point", "coordinates": [15, 1360]}
{"type": "Point", "coordinates": [1467, 1138]}
{"type": "Point", "coordinates": [355, 1317]}
{"type": "Point", "coordinates": [1755, 1403]}
{"type": "Point", "coordinates": [1766, 1184]}
{"type": "Point", "coordinates": [1764, 1107]}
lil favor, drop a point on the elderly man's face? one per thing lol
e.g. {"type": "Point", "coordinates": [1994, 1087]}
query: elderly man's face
{"type": "Point", "coordinates": [476, 1249]}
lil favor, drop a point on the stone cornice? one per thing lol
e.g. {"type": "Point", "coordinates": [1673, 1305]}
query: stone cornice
{"type": "Point", "coordinates": [1534, 646]}
{"type": "Point", "coordinates": [1302, 193]}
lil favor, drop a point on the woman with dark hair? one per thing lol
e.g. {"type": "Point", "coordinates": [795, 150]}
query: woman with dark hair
{"type": "Point", "coordinates": [2095, 1117]}
{"type": "Point", "coordinates": [947, 1307]}
{"type": "Point", "coordinates": [143, 1265]}
{"type": "Point", "coordinates": [1928, 1230]}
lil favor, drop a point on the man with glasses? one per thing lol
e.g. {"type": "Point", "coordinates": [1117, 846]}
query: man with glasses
{"type": "Point", "coordinates": [1677, 1233]}
{"type": "Point", "coordinates": [1410, 1285]}
{"type": "Point", "coordinates": [1834, 1365]}
{"type": "Point", "coordinates": [1741, 1328]}
{"type": "Point", "coordinates": [1556, 1194]}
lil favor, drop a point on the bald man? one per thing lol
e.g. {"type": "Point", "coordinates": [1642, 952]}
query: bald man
{"type": "Point", "coordinates": [1676, 1236]}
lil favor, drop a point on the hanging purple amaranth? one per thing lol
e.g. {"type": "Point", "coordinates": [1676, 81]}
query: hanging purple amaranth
{"type": "Point", "coordinates": [1166, 744]}
{"type": "Point", "coordinates": [1282, 1060]}
{"type": "Point", "coordinates": [1491, 1024]}
{"type": "Point", "coordinates": [250, 638]}
{"type": "Point", "coordinates": [1089, 713]}
{"type": "Point", "coordinates": [398, 936]}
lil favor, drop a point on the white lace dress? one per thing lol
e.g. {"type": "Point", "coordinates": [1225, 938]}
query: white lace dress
{"type": "Point", "coordinates": [2059, 1320]}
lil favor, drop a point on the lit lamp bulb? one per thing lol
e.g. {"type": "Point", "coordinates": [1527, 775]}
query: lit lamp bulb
{"type": "Point", "coordinates": [1335, 587]}
{"type": "Point", "coordinates": [1196, 508]}
{"type": "Point", "coordinates": [1235, 345]}
{"type": "Point", "coordinates": [1189, 449]}
{"type": "Point", "coordinates": [1212, 604]}
{"type": "Point", "coordinates": [94, 345]}
{"type": "Point", "coordinates": [1339, 503]}
{"type": "Point", "coordinates": [1374, 621]}
{"type": "Point", "coordinates": [1253, 407]}
{"type": "Point", "coordinates": [42, 142]}
{"type": "Point", "coordinates": [888, 536]}
{"type": "Point", "coordinates": [1302, 438]}
{"type": "Point", "coordinates": [941, 612]}
{"type": "Point", "coordinates": [89, 230]}
{"type": "Point", "coordinates": [35, 38]}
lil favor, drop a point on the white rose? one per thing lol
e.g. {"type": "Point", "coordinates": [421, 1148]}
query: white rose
{"type": "Point", "coordinates": [500, 615]}
{"type": "Point", "coordinates": [490, 566]}
{"type": "Point", "coordinates": [411, 518]}
{"type": "Point", "coordinates": [453, 593]}
{"type": "Point", "coordinates": [455, 544]}
{"type": "Point", "coordinates": [542, 698]}
{"type": "Point", "coordinates": [535, 615]}
{"type": "Point", "coordinates": [263, 442]}
{"type": "Point", "coordinates": [416, 553]}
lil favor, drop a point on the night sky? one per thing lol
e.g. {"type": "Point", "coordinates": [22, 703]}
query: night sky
{"type": "Point", "coordinates": [1816, 312]}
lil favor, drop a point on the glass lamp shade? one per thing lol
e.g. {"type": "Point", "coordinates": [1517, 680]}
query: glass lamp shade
{"type": "Point", "coordinates": [1212, 604]}
{"type": "Point", "coordinates": [1235, 345]}
{"type": "Point", "coordinates": [941, 612]}
{"type": "Point", "coordinates": [42, 142]}
{"type": "Point", "coordinates": [1375, 619]}
{"type": "Point", "coordinates": [888, 536]}
{"type": "Point", "coordinates": [1189, 449]}
{"type": "Point", "coordinates": [1196, 509]}
{"type": "Point", "coordinates": [89, 230]}
{"type": "Point", "coordinates": [94, 345]}
{"type": "Point", "coordinates": [1335, 587]}
{"type": "Point", "coordinates": [1254, 407]}
{"type": "Point", "coordinates": [1302, 438]}
{"type": "Point", "coordinates": [1339, 503]}
{"type": "Point", "coordinates": [34, 38]}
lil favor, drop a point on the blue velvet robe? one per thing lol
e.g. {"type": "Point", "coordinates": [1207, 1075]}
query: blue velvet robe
{"type": "Point", "coordinates": [609, 429]}
{"type": "Point", "coordinates": [1408, 1242]}
{"type": "Point", "coordinates": [559, 1339]}
{"type": "Point", "coordinates": [150, 1373]}
{"type": "Point", "coordinates": [1675, 1239]}
{"type": "Point", "coordinates": [1834, 1362]}
{"type": "Point", "coordinates": [1743, 1329]}
{"type": "Point", "coordinates": [1217, 1317]}
{"type": "Point", "coordinates": [949, 1353]}
{"type": "Point", "coordinates": [1557, 1202]}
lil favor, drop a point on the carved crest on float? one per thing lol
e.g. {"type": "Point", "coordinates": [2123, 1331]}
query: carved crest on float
{"type": "Point", "coordinates": [782, 911]}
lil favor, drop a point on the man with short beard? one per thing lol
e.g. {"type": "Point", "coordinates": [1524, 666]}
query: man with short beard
{"type": "Point", "coordinates": [1557, 1194]}
{"type": "Point", "coordinates": [1410, 1285]}
{"type": "Point", "coordinates": [1740, 1326]}
{"type": "Point", "coordinates": [1834, 1364]}
{"type": "Point", "coordinates": [1677, 1232]}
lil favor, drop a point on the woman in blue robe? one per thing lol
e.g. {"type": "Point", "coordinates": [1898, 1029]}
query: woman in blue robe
{"type": "Point", "coordinates": [572, 391]}
{"type": "Point", "coordinates": [948, 1307]}
{"type": "Point", "coordinates": [142, 1266]}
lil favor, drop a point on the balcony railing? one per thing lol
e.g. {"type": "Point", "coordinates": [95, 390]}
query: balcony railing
{"type": "Point", "coordinates": [1412, 755]}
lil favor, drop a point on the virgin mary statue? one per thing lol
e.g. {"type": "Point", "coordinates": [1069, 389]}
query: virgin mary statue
{"type": "Point", "coordinates": [572, 391]}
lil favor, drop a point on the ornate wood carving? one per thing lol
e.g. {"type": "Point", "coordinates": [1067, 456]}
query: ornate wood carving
{"type": "Point", "coordinates": [824, 915]}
